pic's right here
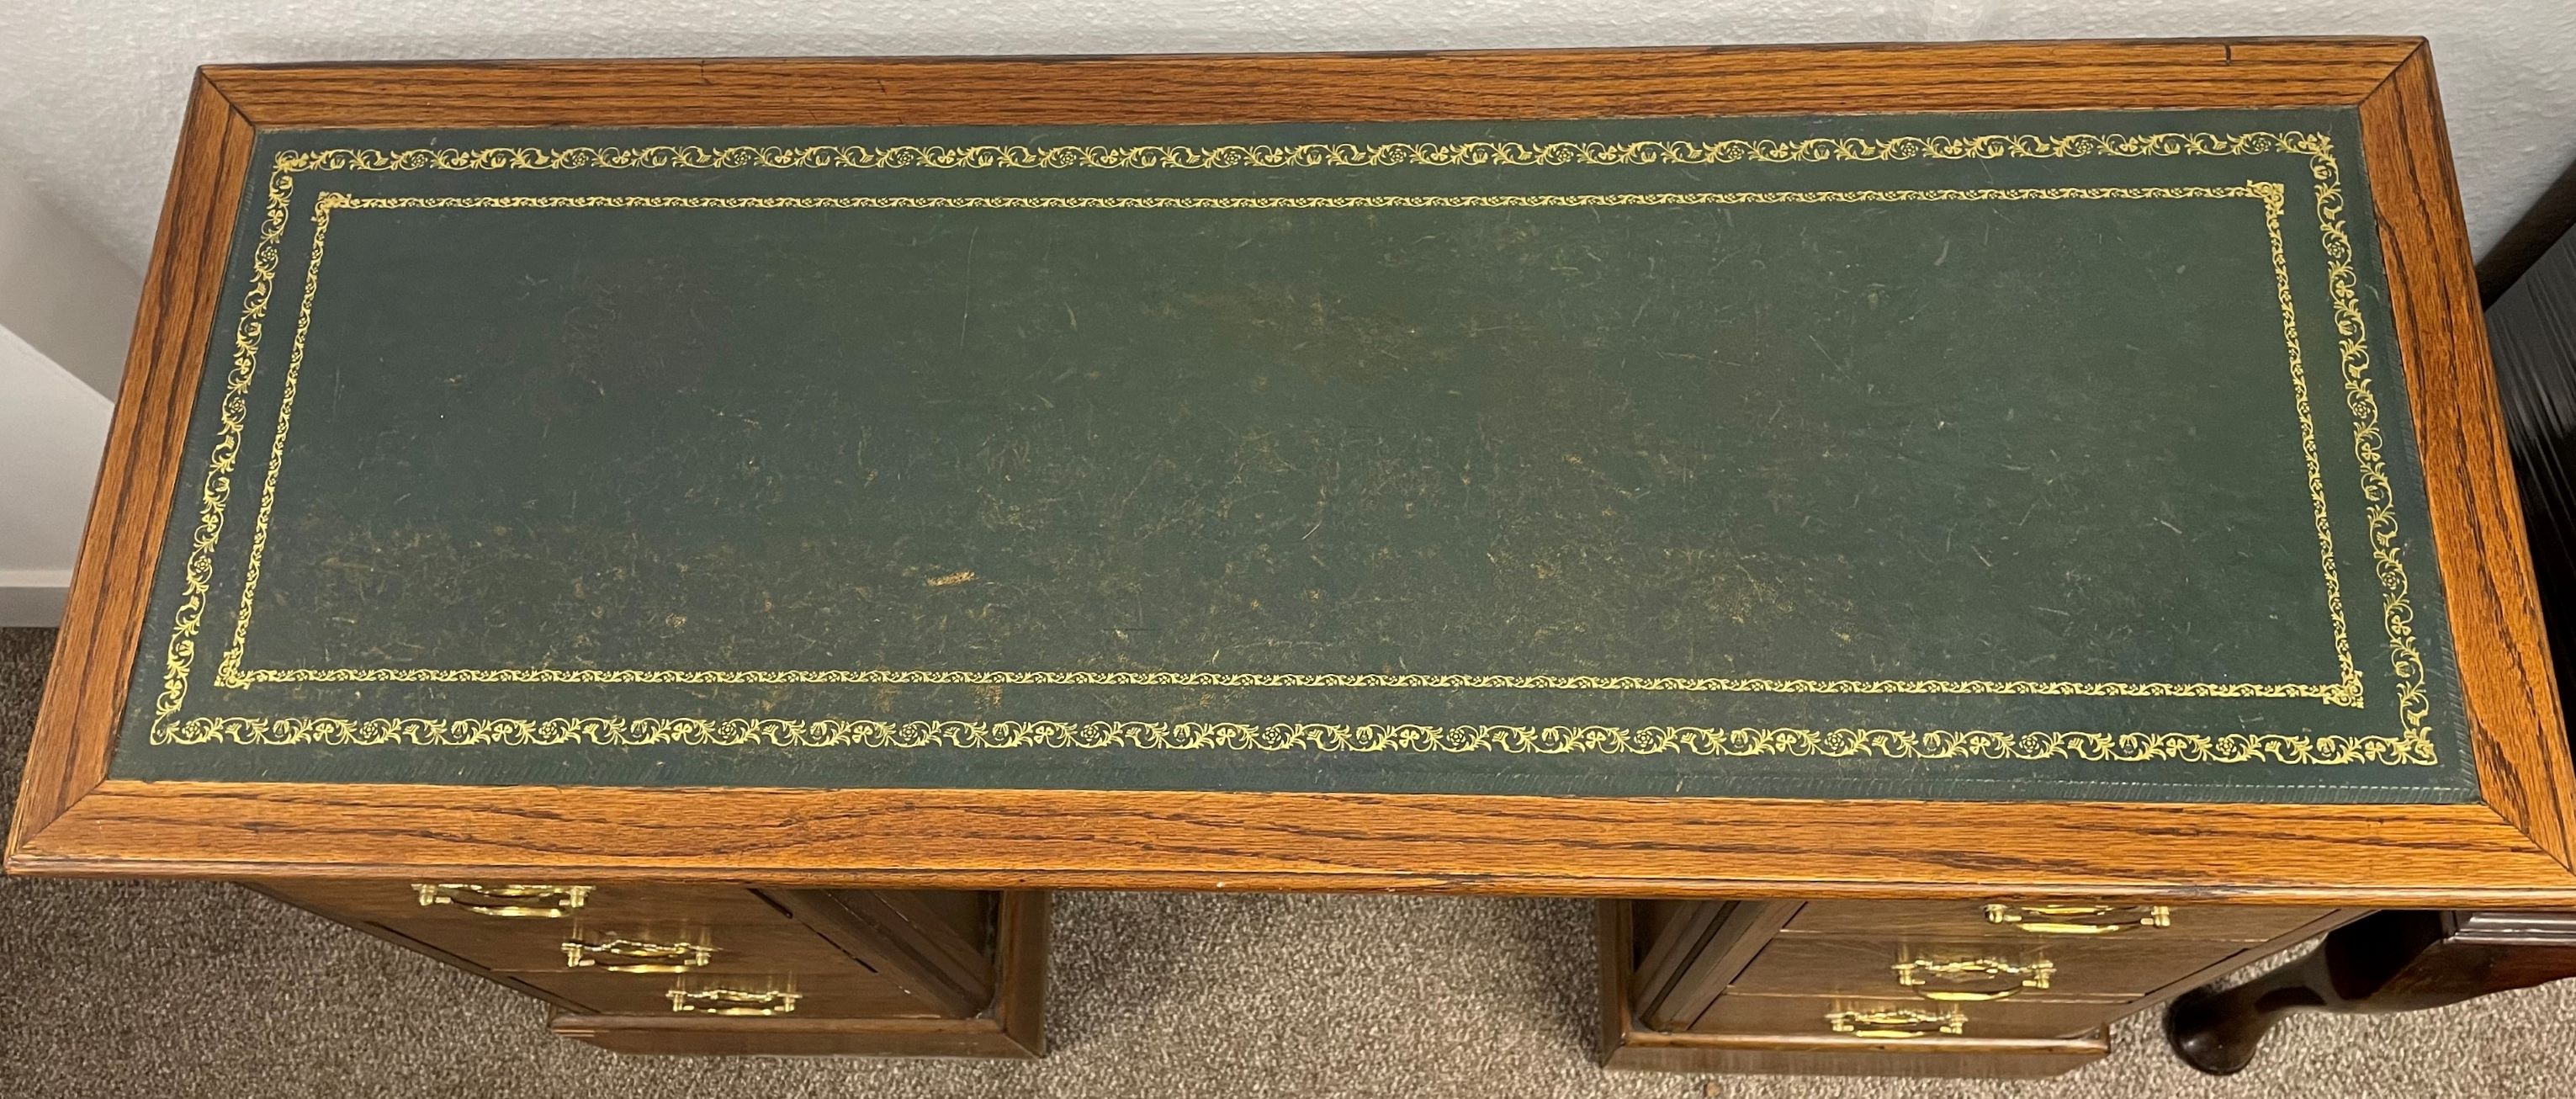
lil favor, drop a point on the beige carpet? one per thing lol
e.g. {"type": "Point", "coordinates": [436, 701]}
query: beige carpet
{"type": "Point", "coordinates": [187, 989]}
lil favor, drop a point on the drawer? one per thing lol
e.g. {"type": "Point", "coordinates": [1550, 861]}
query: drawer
{"type": "Point", "coordinates": [840, 993]}
{"type": "Point", "coordinates": [629, 944]}
{"type": "Point", "coordinates": [1740, 1013]}
{"type": "Point", "coordinates": [400, 904]}
{"type": "Point", "coordinates": [508, 931]}
{"type": "Point", "coordinates": [2022, 969]}
{"type": "Point", "coordinates": [2039, 919]}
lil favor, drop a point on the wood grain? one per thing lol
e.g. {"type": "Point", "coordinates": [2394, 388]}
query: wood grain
{"type": "Point", "coordinates": [1022, 936]}
{"type": "Point", "coordinates": [625, 909]}
{"type": "Point", "coordinates": [429, 950]}
{"type": "Point", "coordinates": [1013, 1027]}
{"type": "Point", "coordinates": [1673, 934]}
{"type": "Point", "coordinates": [2296, 937]}
{"type": "Point", "coordinates": [75, 730]}
{"type": "Point", "coordinates": [1843, 1055]}
{"type": "Point", "coordinates": [1623, 1043]}
{"type": "Point", "coordinates": [1954, 920]}
{"type": "Point", "coordinates": [1630, 1040]}
{"type": "Point", "coordinates": [2088, 969]}
{"type": "Point", "coordinates": [1706, 965]}
{"type": "Point", "coordinates": [1342, 87]}
{"type": "Point", "coordinates": [1614, 936]}
{"type": "Point", "coordinates": [2399, 855]}
{"type": "Point", "coordinates": [873, 931]}
{"type": "Point", "coordinates": [791, 1036]}
{"type": "Point", "coordinates": [71, 821]}
{"type": "Point", "coordinates": [2515, 720]}
{"type": "Point", "coordinates": [1756, 1013]}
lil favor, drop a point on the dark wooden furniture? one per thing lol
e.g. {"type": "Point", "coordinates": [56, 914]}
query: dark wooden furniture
{"type": "Point", "coordinates": [1784, 913]}
{"type": "Point", "coordinates": [2404, 960]}
{"type": "Point", "coordinates": [2388, 961]}
{"type": "Point", "coordinates": [1997, 988]}
{"type": "Point", "coordinates": [710, 969]}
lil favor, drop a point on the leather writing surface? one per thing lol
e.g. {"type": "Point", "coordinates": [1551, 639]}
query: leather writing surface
{"type": "Point", "coordinates": [1997, 456]}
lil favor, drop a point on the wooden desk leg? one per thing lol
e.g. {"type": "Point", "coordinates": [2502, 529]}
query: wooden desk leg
{"type": "Point", "coordinates": [2384, 962]}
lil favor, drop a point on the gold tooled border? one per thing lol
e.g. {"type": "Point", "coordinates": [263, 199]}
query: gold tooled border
{"type": "Point", "coordinates": [2344, 690]}
{"type": "Point", "coordinates": [1287, 736]}
{"type": "Point", "coordinates": [2413, 745]}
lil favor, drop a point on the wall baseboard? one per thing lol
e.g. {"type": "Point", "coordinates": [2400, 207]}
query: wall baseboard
{"type": "Point", "coordinates": [32, 604]}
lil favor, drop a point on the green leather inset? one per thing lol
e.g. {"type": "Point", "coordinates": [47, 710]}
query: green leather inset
{"type": "Point", "coordinates": [2004, 456]}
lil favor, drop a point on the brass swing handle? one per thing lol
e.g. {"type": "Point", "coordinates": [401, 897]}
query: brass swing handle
{"type": "Point", "coordinates": [1938, 980]}
{"type": "Point", "coordinates": [1897, 1023]}
{"type": "Point", "coordinates": [730, 1001]}
{"type": "Point", "coordinates": [635, 956]}
{"type": "Point", "coordinates": [2079, 919]}
{"type": "Point", "coordinates": [533, 901]}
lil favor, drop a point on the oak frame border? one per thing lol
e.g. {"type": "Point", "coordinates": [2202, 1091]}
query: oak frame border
{"type": "Point", "coordinates": [2513, 848]}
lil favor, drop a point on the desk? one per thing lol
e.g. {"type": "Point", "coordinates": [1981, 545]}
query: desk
{"type": "Point", "coordinates": [804, 508]}
{"type": "Point", "coordinates": [2405, 960]}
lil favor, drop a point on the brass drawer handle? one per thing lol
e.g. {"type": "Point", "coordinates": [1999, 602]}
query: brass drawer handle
{"type": "Point", "coordinates": [634, 956]}
{"type": "Point", "coordinates": [2079, 919]}
{"type": "Point", "coordinates": [731, 1001]}
{"type": "Point", "coordinates": [1897, 1023]}
{"type": "Point", "coordinates": [535, 901]}
{"type": "Point", "coordinates": [2013, 977]}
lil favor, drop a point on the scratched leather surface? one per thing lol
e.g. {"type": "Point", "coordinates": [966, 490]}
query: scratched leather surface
{"type": "Point", "coordinates": [1858, 471]}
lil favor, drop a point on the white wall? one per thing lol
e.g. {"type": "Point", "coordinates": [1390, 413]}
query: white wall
{"type": "Point", "coordinates": [66, 308]}
{"type": "Point", "coordinates": [91, 90]}
{"type": "Point", "coordinates": [51, 428]}
{"type": "Point", "coordinates": [61, 290]}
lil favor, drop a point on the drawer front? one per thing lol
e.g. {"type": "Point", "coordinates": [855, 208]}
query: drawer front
{"type": "Point", "coordinates": [1974, 969]}
{"type": "Point", "coordinates": [641, 946]}
{"type": "Point", "coordinates": [635, 929]}
{"type": "Point", "coordinates": [400, 904]}
{"type": "Point", "coordinates": [1737, 1013]}
{"type": "Point", "coordinates": [2049, 920]}
{"type": "Point", "coordinates": [851, 993]}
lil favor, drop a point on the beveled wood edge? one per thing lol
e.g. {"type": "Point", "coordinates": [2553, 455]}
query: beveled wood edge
{"type": "Point", "coordinates": [76, 733]}
{"type": "Point", "coordinates": [2039, 75]}
{"type": "Point", "coordinates": [94, 651]}
{"type": "Point", "coordinates": [2388, 855]}
{"type": "Point", "coordinates": [2516, 723]}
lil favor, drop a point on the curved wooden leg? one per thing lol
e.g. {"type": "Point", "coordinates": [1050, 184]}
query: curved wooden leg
{"type": "Point", "coordinates": [2218, 1032]}
{"type": "Point", "coordinates": [2387, 961]}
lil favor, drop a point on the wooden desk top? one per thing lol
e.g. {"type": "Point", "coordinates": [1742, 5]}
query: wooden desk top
{"type": "Point", "coordinates": [1581, 472]}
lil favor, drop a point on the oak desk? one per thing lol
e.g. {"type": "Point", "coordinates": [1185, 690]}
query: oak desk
{"type": "Point", "coordinates": [1984, 534]}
